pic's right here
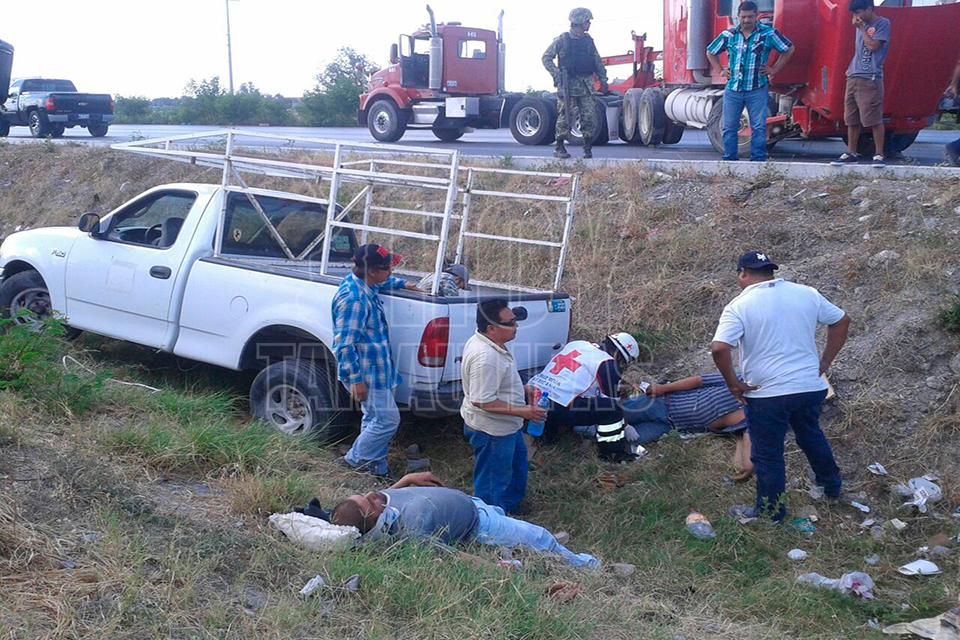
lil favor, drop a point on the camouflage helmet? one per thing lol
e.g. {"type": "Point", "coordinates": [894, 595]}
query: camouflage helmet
{"type": "Point", "coordinates": [580, 15]}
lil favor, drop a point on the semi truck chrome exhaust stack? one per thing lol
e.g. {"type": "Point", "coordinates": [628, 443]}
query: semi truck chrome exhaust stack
{"type": "Point", "coordinates": [698, 37]}
{"type": "Point", "coordinates": [435, 81]}
{"type": "Point", "coordinates": [501, 56]}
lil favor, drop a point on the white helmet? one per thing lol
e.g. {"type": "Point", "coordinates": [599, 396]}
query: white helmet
{"type": "Point", "coordinates": [626, 344]}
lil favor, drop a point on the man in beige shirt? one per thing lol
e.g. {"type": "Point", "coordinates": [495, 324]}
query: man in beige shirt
{"type": "Point", "coordinates": [494, 408]}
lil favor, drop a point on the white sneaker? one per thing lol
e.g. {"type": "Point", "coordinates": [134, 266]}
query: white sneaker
{"type": "Point", "coordinates": [878, 161]}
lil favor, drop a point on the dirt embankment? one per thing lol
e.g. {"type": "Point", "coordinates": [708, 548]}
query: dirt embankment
{"type": "Point", "coordinates": [654, 254]}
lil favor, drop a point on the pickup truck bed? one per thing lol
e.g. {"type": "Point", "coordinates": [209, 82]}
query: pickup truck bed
{"type": "Point", "coordinates": [243, 278]}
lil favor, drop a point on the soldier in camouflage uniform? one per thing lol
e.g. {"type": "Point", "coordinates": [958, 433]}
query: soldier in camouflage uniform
{"type": "Point", "coordinates": [578, 57]}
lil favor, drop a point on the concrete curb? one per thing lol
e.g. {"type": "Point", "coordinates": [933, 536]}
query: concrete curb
{"type": "Point", "coordinates": [743, 169]}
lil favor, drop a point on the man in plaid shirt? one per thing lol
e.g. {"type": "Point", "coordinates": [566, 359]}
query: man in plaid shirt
{"type": "Point", "coordinates": [361, 345]}
{"type": "Point", "coordinates": [748, 48]}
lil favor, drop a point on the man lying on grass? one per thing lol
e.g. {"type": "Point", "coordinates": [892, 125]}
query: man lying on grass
{"type": "Point", "coordinates": [419, 506]}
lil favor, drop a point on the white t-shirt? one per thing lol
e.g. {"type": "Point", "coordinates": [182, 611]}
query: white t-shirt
{"type": "Point", "coordinates": [774, 323]}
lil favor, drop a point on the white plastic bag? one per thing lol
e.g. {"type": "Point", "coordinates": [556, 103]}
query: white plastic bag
{"type": "Point", "coordinates": [924, 491]}
{"type": "Point", "coordinates": [313, 533]}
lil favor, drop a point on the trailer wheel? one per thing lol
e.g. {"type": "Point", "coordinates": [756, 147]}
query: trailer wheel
{"type": "Point", "coordinates": [893, 143]}
{"type": "Point", "coordinates": [386, 122]}
{"type": "Point", "coordinates": [448, 134]}
{"type": "Point", "coordinates": [631, 112]}
{"type": "Point", "coordinates": [601, 135]}
{"type": "Point", "coordinates": [532, 121]}
{"type": "Point", "coordinates": [652, 117]}
{"type": "Point", "coordinates": [300, 398]}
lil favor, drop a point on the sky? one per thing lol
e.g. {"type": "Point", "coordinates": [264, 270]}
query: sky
{"type": "Point", "coordinates": [153, 48]}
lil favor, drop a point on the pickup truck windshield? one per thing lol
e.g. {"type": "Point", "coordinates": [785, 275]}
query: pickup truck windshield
{"type": "Point", "coordinates": [297, 222]}
{"type": "Point", "coordinates": [48, 86]}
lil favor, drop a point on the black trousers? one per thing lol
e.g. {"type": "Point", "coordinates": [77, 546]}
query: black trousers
{"type": "Point", "coordinates": [581, 412]}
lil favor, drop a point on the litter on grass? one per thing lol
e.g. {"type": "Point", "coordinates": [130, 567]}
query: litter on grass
{"type": "Point", "coordinates": [857, 583]}
{"type": "Point", "coordinates": [923, 491]}
{"type": "Point", "coordinates": [919, 568]}
{"type": "Point", "coordinates": [313, 533]}
{"type": "Point", "coordinates": [877, 469]}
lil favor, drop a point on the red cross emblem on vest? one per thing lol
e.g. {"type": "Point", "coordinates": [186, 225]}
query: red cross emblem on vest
{"type": "Point", "coordinates": [563, 361]}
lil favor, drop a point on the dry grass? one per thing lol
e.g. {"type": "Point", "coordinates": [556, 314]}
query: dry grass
{"type": "Point", "coordinates": [176, 487]}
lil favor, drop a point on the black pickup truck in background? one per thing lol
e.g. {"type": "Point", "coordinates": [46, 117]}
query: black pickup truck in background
{"type": "Point", "coordinates": [50, 106]}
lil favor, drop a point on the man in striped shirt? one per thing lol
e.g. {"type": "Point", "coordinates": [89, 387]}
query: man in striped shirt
{"type": "Point", "coordinates": [361, 345]}
{"type": "Point", "coordinates": [748, 48]}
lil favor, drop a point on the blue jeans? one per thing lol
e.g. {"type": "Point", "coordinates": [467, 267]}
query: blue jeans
{"type": "Point", "coordinates": [756, 103]}
{"type": "Point", "coordinates": [648, 417]}
{"type": "Point", "coordinates": [499, 468]}
{"type": "Point", "coordinates": [769, 419]}
{"type": "Point", "coordinates": [495, 528]}
{"type": "Point", "coordinates": [381, 418]}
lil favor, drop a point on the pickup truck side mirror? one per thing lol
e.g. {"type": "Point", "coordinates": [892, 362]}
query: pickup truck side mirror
{"type": "Point", "coordinates": [394, 53]}
{"type": "Point", "coordinates": [89, 223]}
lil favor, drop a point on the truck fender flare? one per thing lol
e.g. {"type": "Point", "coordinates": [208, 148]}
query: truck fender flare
{"type": "Point", "coordinates": [273, 342]}
{"type": "Point", "coordinates": [387, 93]}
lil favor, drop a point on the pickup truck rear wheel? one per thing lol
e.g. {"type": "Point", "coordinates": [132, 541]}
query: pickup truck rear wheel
{"type": "Point", "coordinates": [25, 298]}
{"type": "Point", "coordinates": [4, 128]}
{"type": "Point", "coordinates": [300, 398]}
{"type": "Point", "coordinates": [98, 130]}
{"type": "Point", "coordinates": [57, 130]}
{"type": "Point", "coordinates": [38, 127]}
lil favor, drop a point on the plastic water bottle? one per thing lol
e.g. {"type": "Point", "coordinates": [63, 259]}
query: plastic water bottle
{"type": "Point", "coordinates": [535, 429]}
{"type": "Point", "coordinates": [699, 527]}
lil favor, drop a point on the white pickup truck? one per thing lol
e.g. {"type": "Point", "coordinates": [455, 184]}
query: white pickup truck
{"type": "Point", "coordinates": [243, 278]}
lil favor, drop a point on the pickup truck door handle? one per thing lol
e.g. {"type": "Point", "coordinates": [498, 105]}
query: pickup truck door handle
{"type": "Point", "coordinates": [161, 273]}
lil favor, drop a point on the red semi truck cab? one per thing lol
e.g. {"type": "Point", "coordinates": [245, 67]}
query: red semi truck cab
{"type": "Point", "coordinates": [443, 77]}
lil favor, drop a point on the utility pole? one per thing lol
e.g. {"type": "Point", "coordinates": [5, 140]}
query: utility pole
{"type": "Point", "coordinates": [229, 51]}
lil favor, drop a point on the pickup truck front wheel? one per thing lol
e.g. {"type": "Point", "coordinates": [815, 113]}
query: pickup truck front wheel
{"type": "Point", "coordinates": [25, 298]}
{"type": "Point", "coordinates": [298, 397]}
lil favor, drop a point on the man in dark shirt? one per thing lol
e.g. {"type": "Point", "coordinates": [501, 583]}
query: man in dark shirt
{"type": "Point", "coordinates": [863, 102]}
{"type": "Point", "coordinates": [419, 506]}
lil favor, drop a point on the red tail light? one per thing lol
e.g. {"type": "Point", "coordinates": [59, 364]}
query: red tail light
{"type": "Point", "coordinates": [49, 105]}
{"type": "Point", "coordinates": [433, 343]}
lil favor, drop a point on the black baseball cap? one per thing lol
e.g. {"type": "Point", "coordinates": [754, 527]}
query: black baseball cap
{"type": "Point", "coordinates": [755, 260]}
{"type": "Point", "coordinates": [375, 256]}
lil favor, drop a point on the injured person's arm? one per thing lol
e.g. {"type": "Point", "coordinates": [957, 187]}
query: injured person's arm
{"type": "Point", "coordinates": [419, 479]}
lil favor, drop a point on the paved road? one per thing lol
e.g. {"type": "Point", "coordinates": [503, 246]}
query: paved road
{"type": "Point", "coordinates": [927, 150]}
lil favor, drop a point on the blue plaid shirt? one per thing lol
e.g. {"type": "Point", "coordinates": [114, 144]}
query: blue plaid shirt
{"type": "Point", "coordinates": [361, 337]}
{"type": "Point", "coordinates": [748, 55]}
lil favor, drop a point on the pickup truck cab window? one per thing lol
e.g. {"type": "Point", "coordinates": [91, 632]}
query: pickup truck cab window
{"type": "Point", "coordinates": [48, 86]}
{"type": "Point", "coordinates": [154, 221]}
{"type": "Point", "coordinates": [298, 223]}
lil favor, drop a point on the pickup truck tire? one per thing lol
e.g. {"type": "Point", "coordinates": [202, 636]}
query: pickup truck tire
{"type": "Point", "coordinates": [39, 128]}
{"type": "Point", "coordinates": [299, 397]}
{"type": "Point", "coordinates": [4, 128]}
{"type": "Point", "coordinates": [98, 130]}
{"type": "Point", "coordinates": [27, 292]}
{"type": "Point", "coordinates": [386, 122]}
{"type": "Point", "coordinates": [57, 130]}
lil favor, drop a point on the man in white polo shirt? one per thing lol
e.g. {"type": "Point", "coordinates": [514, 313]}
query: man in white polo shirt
{"type": "Point", "coordinates": [774, 323]}
{"type": "Point", "coordinates": [494, 408]}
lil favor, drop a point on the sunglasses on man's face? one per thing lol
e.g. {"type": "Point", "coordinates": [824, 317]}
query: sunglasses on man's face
{"type": "Point", "coordinates": [507, 323]}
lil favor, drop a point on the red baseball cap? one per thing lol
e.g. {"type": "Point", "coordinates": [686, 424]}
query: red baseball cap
{"type": "Point", "coordinates": [376, 256]}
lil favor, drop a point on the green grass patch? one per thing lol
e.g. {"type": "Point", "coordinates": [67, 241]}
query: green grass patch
{"type": "Point", "coordinates": [949, 316]}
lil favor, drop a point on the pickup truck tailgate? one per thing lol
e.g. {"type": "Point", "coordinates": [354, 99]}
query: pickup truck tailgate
{"type": "Point", "coordinates": [98, 103]}
{"type": "Point", "coordinates": [539, 336]}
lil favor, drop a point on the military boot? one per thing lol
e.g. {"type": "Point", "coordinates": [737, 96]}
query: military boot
{"type": "Point", "coordinates": [587, 150]}
{"type": "Point", "coordinates": [561, 150]}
